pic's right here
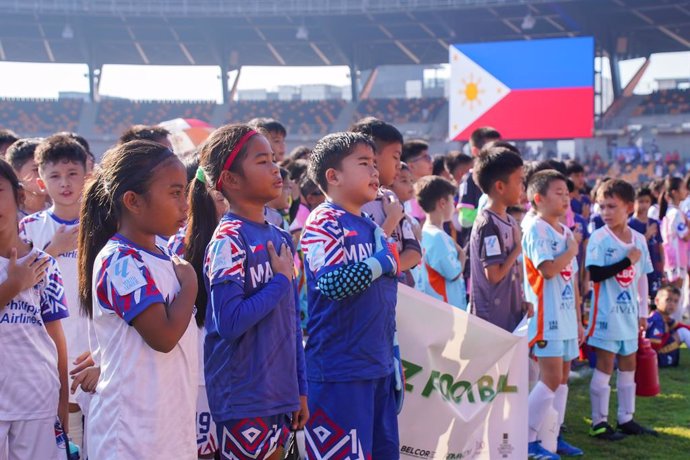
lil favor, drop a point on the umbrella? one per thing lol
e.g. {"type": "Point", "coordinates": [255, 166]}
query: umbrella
{"type": "Point", "coordinates": [186, 134]}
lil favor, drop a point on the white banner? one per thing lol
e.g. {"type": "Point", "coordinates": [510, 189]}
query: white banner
{"type": "Point", "coordinates": [466, 383]}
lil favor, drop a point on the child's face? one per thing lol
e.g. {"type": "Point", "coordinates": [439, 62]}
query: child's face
{"type": "Point", "coordinates": [667, 302]}
{"type": "Point", "coordinates": [28, 176]}
{"type": "Point", "coordinates": [64, 181]}
{"type": "Point", "coordinates": [220, 203]}
{"type": "Point", "coordinates": [260, 181]}
{"type": "Point", "coordinates": [614, 211]}
{"type": "Point", "coordinates": [403, 185]}
{"type": "Point", "coordinates": [681, 193]}
{"type": "Point", "coordinates": [164, 207]}
{"type": "Point", "coordinates": [388, 163]}
{"type": "Point", "coordinates": [448, 206]}
{"type": "Point", "coordinates": [277, 141]}
{"type": "Point", "coordinates": [283, 201]}
{"type": "Point", "coordinates": [421, 165]}
{"type": "Point", "coordinates": [358, 177]}
{"type": "Point", "coordinates": [642, 204]}
{"type": "Point", "coordinates": [512, 189]}
{"type": "Point", "coordinates": [460, 171]}
{"type": "Point", "coordinates": [579, 180]}
{"type": "Point", "coordinates": [8, 206]}
{"type": "Point", "coordinates": [556, 200]}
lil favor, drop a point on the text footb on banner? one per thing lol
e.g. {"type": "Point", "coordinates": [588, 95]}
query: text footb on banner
{"type": "Point", "coordinates": [465, 381]}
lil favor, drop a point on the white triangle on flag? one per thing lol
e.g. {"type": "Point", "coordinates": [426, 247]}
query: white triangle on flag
{"type": "Point", "coordinates": [473, 91]}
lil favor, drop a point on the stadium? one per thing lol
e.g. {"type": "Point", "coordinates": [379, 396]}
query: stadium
{"type": "Point", "coordinates": [403, 62]}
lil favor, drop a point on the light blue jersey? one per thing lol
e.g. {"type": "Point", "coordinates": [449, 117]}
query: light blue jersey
{"type": "Point", "coordinates": [441, 275]}
{"type": "Point", "coordinates": [555, 311]}
{"type": "Point", "coordinates": [614, 312]}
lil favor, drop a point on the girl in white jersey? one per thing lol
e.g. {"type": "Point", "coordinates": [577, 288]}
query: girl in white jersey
{"type": "Point", "coordinates": [141, 300]}
{"type": "Point", "coordinates": [33, 361]}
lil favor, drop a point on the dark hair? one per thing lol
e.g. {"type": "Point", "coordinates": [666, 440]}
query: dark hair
{"type": "Point", "coordinates": [670, 289]}
{"type": "Point", "coordinates": [540, 182]}
{"type": "Point", "coordinates": [404, 166]}
{"type": "Point", "coordinates": [644, 191]}
{"type": "Point", "coordinates": [191, 164]}
{"type": "Point", "coordinates": [438, 165]}
{"type": "Point", "coordinates": [536, 166]}
{"type": "Point", "coordinates": [7, 136]}
{"type": "Point", "coordinates": [573, 167]}
{"type": "Point", "coordinates": [127, 167]}
{"type": "Point", "coordinates": [515, 210]}
{"type": "Point", "coordinates": [430, 189]}
{"type": "Point", "coordinates": [8, 173]}
{"type": "Point", "coordinates": [301, 152]}
{"type": "Point", "coordinates": [268, 125]}
{"type": "Point", "coordinates": [413, 148]}
{"type": "Point", "coordinates": [502, 144]}
{"type": "Point", "coordinates": [143, 132]}
{"type": "Point", "coordinates": [381, 132]}
{"type": "Point", "coordinates": [671, 184]}
{"type": "Point", "coordinates": [483, 135]}
{"type": "Point", "coordinates": [201, 216]}
{"type": "Point", "coordinates": [307, 186]}
{"type": "Point", "coordinates": [330, 151]}
{"type": "Point", "coordinates": [617, 188]}
{"type": "Point", "coordinates": [21, 151]}
{"type": "Point", "coordinates": [82, 141]}
{"type": "Point", "coordinates": [494, 164]}
{"type": "Point", "coordinates": [58, 148]}
{"type": "Point", "coordinates": [571, 185]}
{"type": "Point", "coordinates": [456, 159]}
{"type": "Point", "coordinates": [297, 169]}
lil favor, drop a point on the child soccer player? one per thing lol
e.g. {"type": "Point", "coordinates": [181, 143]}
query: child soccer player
{"type": "Point", "coordinates": [675, 234]}
{"type": "Point", "coordinates": [409, 228]}
{"type": "Point", "coordinates": [350, 267]}
{"type": "Point", "coordinates": [496, 294]}
{"type": "Point", "coordinates": [34, 354]}
{"type": "Point", "coordinates": [275, 132]}
{"type": "Point", "coordinates": [663, 331]}
{"type": "Point", "coordinates": [650, 228]}
{"type": "Point", "coordinates": [554, 331]}
{"type": "Point", "coordinates": [7, 138]}
{"type": "Point", "coordinates": [276, 211]}
{"type": "Point", "coordinates": [415, 153]}
{"type": "Point", "coordinates": [141, 302]}
{"type": "Point", "coordinates": [21, 156]}
{"type": "Point", "coordinates": [62, 168]}
{"type": "Point", "coordinates": [443, 259]}
{"type": "Point", "coordinates": [617, 260]}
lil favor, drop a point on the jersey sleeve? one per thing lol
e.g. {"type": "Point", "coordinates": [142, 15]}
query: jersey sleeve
{"type": "Point", "coordinates": [409, 240]}
{"type": "Point", "coordinates": [53, 302]}
{"type": "Point", "coordinates": [323, 242]}
{"type": "Point", "coordinates": [125, 286]}
{"type": "Point", "coordinates": [595, 252]}
{"type": "Point", "coordinates": [491, 250]}
{"type": "Point", "coordinates": [441, 255]}
{"type": "Point", "coordinates": [226, 256]}
{"type": "Point", "coordinates": [536, 245]}
{"type": "Point", "coordinates": [646, 259]}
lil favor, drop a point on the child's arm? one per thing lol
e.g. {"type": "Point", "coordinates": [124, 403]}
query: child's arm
{"type": "Point", "coordinates": [643, 301]}
{"type": "Point", "coordinates": [394, 211]}
{"type": "Point", "coordinates": [54, 329]}
{"type": "Point", "coordinates": [578, 310]}
{"type": "Point", "coordinates": [300, 417]}
{"type": "Point", "coordinates": [411, 254]}
{"type": "Point", "coordinates": [21, 276]}
{"type": "Point", "coordinates": [551, 268]}
{"type": "Point", "coordinates": [439, 256]}
{"type": "Point", "coordinates": [496, 272]}
{"type": "Point", "coordinates": [600, 273]}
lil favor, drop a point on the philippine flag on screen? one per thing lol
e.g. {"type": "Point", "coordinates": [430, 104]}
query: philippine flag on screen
{"type": "Point", "coordinates": [533, 89]}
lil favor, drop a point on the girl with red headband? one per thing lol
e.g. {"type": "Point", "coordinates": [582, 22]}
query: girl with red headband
{"type": "Point", "coordinates": [253, 355]}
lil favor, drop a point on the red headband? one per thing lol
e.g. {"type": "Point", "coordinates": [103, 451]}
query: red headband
{"type": "Point", "coordinates": [233, 155]}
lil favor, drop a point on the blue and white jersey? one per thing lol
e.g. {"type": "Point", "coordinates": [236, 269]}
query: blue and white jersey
{"type": "Point", "coordinates": [28, 361]}
{"type": "Point", "coordinates": [615, 306]}
{"type": "Point", "coordinates": [142, 394]}
{"type": "Point", "coordinates": [555, 311]}
{"type": "Point", "coordinates": [350, 339]}
{"type": "Point", "coordinates": [257, 371]}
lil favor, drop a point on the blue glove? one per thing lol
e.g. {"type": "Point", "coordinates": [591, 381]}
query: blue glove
{"type": "Point", "coordinates": [385, 249]}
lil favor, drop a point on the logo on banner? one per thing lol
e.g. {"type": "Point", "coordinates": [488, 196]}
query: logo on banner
{"type": "Point", "coordinates": [626, 277]}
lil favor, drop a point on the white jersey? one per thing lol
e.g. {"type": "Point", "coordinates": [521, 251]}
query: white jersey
{"type": "Point", "coordinates": [145, 401]}
{"type": "Point", "coordinates": [29, 381]}
{"type": "Point", "coordinates": [39, 229]}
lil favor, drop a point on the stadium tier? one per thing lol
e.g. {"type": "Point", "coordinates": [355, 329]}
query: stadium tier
{"type": "Point", "coordinates": [671, 102]}
{"type": "Point", "coordinates": [38, 116]}
{"type": "Point", "coordinates": [401, 111]}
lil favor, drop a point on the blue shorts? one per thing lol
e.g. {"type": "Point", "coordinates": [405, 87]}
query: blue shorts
{"type": "Point", "coordinates": [618, 347]}
{"type": "Point", "coordinates": [255, 438]}
{"type": "Point", "coordinates": [353, 420]}
{"type": "Point", "coordinates": [566, 349]}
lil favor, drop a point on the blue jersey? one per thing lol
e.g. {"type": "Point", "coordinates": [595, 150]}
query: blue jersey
{"type": "Point", "coordinates": [350, 339]}
{"type": "Point", "coordinates": [614, 312]}
{"type": "Point", "coordinates": [253, 355]}
{"type": "Point", "coordinates": [441, 273]}
{"type": "Point", "coordinates": [654, 243]}
{"type": "Point", "coordinates": [663, 334]}
{"type": "Point", "coordinates": [555, 311]}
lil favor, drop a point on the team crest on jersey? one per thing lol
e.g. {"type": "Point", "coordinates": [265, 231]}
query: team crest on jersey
{"type": "Point", "coordinates": [626, 277]}
{"type": "Point", "coordinates": [567, 272]}
{"type": "Point", "coordinates": [542, 343]}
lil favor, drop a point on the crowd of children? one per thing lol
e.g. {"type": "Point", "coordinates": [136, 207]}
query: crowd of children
{"type": "Point", "coordinates": [255, 291]}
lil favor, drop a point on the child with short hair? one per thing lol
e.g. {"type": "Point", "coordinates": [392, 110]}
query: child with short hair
{"type": "Point", "coordinates": [350, 268]}
{"type": "Point", "coordinates": [275, 132]}
{"type": "Point", "coordinates": [253, 355]}
{"type": "Point", "coordinates": [21, 156]}
{"type": "Point", "coordinates": [650, 228]}
{"type": "Point", "coordinates": [675, 234]}
{"type": "Point", "coordinates": [141, 301]}
{"type": "Point", "coordinates": [617, 260]}
{"type": "Point", "coordinates": [496, 293]}
{"type": "Point", "coordinates": [34, 364]}
{"type": "Point", "coordinates": [62, 169]}
{"type": "Point", "coordinates": [409, 232]}
{"type": "Point", "coordinates": [443, 260]}
{"type": "Point", "coordinates": [551, 285]}
{"type": "Point", "coordinates": [665, 334]}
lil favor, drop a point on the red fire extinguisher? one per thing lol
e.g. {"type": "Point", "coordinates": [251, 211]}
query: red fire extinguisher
{"type": "Point", "coordinates": [647, 373]}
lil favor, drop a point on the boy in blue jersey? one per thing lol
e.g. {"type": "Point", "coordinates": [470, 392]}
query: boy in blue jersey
{"type": "Point", "coordinates": [651, 229]}
{"type": "Point", "coordinates": [665, 333]}
{"type": "Point", "coordinates": [618, 261]}
{"type": "Point", "coordinates": [554, 332]}
{"type": "Point", "coordinates": [352, 290]}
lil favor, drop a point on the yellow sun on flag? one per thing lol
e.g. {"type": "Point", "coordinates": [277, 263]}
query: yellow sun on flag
{"type": "Point", "coordinates": [471, 91]}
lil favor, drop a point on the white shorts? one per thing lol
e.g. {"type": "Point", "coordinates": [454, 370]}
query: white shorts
{"type": "Point", "coordinates": [28, 439]}
{"type": "Point", "coordinates": [206, 441]}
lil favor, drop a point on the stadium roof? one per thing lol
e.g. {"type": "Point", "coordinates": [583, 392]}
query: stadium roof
{"type": "Point", "coordinates": [321, 32]}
